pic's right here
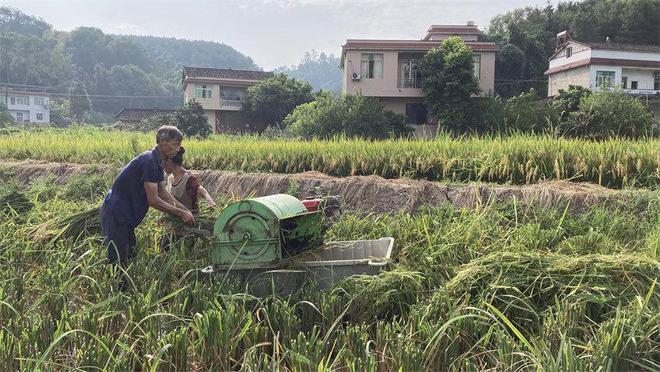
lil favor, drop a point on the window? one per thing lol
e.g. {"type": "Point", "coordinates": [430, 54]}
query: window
{"type": "Point", "coordinates": [12, 101]}
{"type": "Point", "coordinates": [656, 81]}
{"type": "Point", "coordinates": [624, 82]}
{"type": "Point", "coordinates": [633, 85]}
{"type": "Point", "coordinates": [477, 66]}
{"type": "Point", "coordinates": [569, 52]}
{"type": "Point", "coordinates": [203, 91]}
{"type": "Point", "coordinates": [40, 116]}
{"type": "Point", "coordinates": [410, 75]}
{"type": "Point", "coordinates": [372, 66]}
{"type": "Point", "coordinates": [604, 79]}
{"type": "Point", "coordinates": [19, 117]}
{"type": "Point", "coordinates": [40, 101]}
{"type": "Point", "coordinates": [416, 113]}
{"type": "Point", "coordinates": [22, 101]}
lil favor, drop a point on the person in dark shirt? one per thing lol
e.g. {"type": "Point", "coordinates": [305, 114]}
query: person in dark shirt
{"type": "Point", "coordinates": [140, 185]}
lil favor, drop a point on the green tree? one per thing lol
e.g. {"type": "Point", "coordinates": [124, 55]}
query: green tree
{"type": "Point", "coordinates": [319, 69]}
{"type": "Point", "coordinates": [79, 102]}
{"type": "Point", "coordinates": [449, 82]}
{"type": "Point", "coordinates": [270, 101]}
{"type": "Point", "coordinates": [190, 119]}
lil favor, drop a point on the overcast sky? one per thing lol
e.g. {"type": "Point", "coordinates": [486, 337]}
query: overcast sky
{"type": "Point", "coordinates": [272, 32]}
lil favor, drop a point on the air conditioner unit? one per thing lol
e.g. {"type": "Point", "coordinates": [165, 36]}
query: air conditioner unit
{"type": "Point", "coordinates": [356, 76]}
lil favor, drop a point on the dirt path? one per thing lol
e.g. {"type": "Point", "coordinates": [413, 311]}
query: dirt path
{"type": "Point", "coordinates": [370, 194]}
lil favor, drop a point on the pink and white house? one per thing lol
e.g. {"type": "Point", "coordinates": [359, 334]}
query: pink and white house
{"type": "Point", "coordinates": [388, 69]}
{"type": "Point", "coordinates": [633, 68]}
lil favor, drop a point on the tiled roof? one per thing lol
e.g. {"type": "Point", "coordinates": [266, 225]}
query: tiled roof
{"type": "Point", "coordinates": [481, 46]}
{"type": "Point", "coordinates": [130, 114]}
{"type": "Point", "coordinates": [224, 73]}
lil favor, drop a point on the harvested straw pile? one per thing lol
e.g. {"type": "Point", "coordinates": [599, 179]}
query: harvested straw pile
{"type": "Point", "coordinates": [605, 279]}
{"type": "Point", "coordinates": [77, 226]}
{"type": "Point", "coordinates": [15, 201]}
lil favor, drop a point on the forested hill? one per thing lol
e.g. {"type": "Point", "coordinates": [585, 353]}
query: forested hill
{"type": "Point", "coordinates": [33, 53]}
{"type": "Point", "coordinates": [175, 53]}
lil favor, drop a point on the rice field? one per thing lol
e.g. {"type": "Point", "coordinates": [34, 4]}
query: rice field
{"type": "Point", "coordinates": [499, 287]}
{"type": "Point", "coordinates": [518, 159]}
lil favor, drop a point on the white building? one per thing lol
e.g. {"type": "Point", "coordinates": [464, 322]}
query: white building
{"type": "Point", "coordinates": [28, 107]}
{"type": "Point", "coordinates": [633, 68]}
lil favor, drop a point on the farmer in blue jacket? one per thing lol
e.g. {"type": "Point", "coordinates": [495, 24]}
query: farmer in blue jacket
{"type": "Point", "coordinates": [140, 185]}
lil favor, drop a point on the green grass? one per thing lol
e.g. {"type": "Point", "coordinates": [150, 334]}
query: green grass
{"type": "Point", "coordinates": [498, 287]}
{"type": "Point", "coordinates": [518, 159]}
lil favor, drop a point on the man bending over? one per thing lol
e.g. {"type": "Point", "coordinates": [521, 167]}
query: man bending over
{"type": "Point", "coordinates": [140, 185]}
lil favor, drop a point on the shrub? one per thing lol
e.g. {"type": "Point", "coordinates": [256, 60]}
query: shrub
{"type": "Point", "coordinates": [568, 101]}
{"type": "Point", "coordinates": [351, 115]}
{"type": "Point", "coordinates": [486, 114]}
{"type": "Point", "coordinates": [147, 125]}
{"type": "Point", "coordinates": [526, 112]}
{"type": "Point", "coordinates": [608, 114]}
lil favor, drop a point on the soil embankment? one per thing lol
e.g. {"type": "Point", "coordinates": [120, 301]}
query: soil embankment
{"type": "Point", "coordinates": [371, 194]}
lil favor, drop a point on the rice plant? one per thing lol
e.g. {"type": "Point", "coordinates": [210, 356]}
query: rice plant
{"type": "Point", "coordinates": [518, 159]}
{"type": "Point", "coordinates": [496, 287]}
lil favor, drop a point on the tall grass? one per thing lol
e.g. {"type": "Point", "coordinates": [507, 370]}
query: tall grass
{"type": "Point", "coordinates": [518, 159]}
{"type": "Point", "coordinates": [497, 287]}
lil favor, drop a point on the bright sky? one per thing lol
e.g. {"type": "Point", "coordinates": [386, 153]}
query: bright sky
{"type": "Point", "coordinates": [272, 32]}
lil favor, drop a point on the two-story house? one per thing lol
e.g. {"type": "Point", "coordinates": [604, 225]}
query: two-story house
{"type": "Point", "coordinates": [221, 93]}
{"type": "Point", "coordinates": [388, 69]}
{"type": "Point", "coordinates": [633, 68]}
{"type": "Point", "coordinates": [27, 106]}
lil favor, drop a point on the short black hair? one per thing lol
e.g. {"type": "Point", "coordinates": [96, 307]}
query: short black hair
{"type": "Point", "coordinates": [178, 158]}
{"type": "Point", "coordinates": [168, 133]}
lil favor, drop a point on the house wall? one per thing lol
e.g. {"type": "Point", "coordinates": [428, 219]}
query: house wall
{"type": "Point", "coordinates": [561, 80]}
{"type": "Point", "coordinates": [210, 118]}
{"type": "Point", "coordinates": [388, 85]}
{"type": "Point", "coordinates": [580, 53]}
{"type": "Point", "coordinates": [644, 77]}
{"type": "Point", "coordinates": [628, 55]}
{"type": "Point", "coordinates": [212, 103]}
{"type": "Point", "coordinates": [29, 111]}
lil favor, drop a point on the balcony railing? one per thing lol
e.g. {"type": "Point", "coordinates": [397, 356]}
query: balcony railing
{"type": "Point", "coordinates": [415, 83]}
{"type": "Point", "coordinates": [230, 104]}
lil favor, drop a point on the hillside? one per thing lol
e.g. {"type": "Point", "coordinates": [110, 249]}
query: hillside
{"type": "Point", "coordinates": [34, 53]}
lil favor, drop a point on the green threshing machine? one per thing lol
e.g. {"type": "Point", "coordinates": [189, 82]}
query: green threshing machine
{"type": "Point", "coordinates": [281, 237]}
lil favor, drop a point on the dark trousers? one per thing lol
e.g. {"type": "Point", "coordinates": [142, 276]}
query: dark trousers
{"type": "Point", "coordinates": [118, 237]}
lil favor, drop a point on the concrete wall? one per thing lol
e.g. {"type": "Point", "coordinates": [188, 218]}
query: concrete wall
{"type": "Point", "coordinates": [212, 103]}
{"type": "Point", "coordinates": [210, 118]}
{"type": "Point", "coordinates": [644, 77]}
{"type": "Point", "coordinates": [388, 85]}
{"type": "Point", "coordinates": [487, 80]}
{"type": "Point", "coordinates": [30, 111]}
{"type": "Point", "coordinates": [580, 76]}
